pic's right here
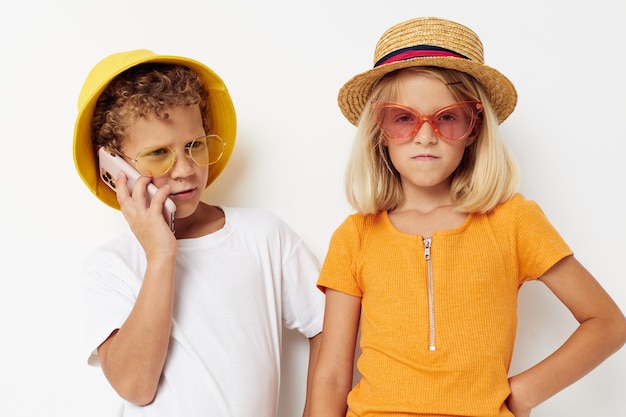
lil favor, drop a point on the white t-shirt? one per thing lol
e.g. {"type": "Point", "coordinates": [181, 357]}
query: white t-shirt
{"type": "Point", "coordinates": [235, 290]}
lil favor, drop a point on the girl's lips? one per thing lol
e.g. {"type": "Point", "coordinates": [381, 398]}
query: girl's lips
{"type": "Point", "coordinates": [425, 157]}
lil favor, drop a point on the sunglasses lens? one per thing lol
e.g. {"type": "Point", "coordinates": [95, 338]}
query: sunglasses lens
{"type": "Point", "coordinates": [454, 122]}
{"type": "Point", "coordinates": [155, 161]}
{"type": "Point", "coordinates": [397, 122]}
{"type": "Point", "coordinates": [212, 150]}
{"type": "Point", "coordinates": [199, 151]}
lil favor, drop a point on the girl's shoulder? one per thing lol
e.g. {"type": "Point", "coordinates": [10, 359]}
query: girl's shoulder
{"type": "Point", "coordinates": [358, 227]}
{"type": "Point", "coordinates": [518, 211]}
{"type": "Point", "coordinates": [515, 205]}
{"type": "Point", "coordinates": [359, 221]}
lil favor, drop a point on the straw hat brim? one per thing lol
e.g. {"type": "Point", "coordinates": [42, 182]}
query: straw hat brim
{"type": "Point", "coordinates": [222, 114]}
{"type": "Point", "coordinates": [354, 94]}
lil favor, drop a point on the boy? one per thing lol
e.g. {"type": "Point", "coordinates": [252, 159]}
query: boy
{"type": "Point", "coordinates": [186, 323]}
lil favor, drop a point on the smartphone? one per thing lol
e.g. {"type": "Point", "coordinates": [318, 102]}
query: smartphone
{"type": "Point", "coordinates": [111, 164]}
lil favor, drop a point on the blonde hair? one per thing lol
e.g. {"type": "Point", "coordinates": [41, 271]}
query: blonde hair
{"type": "Point", "coordinates": [487, 175]}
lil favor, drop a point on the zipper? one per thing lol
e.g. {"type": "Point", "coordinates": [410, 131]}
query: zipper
{"type": "Point", "coordinates": [431, 296]}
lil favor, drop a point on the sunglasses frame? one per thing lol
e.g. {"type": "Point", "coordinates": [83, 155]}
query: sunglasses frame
{"type": "Point", "coordinates": [475, 106]}
{"type": "Point", "coordinates": [135, 160]}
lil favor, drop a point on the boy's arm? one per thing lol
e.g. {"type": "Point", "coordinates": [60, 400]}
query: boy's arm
{"type": "Point", "coordinates": [132, 357]}
{"type": "Point", "coordinates": [314, 349]}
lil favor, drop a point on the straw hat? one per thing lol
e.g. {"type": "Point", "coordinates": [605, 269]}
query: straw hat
{"type": "Point", "coordinates": [431, 42]}
{"type": "Point", "coordinates": [223, 119]}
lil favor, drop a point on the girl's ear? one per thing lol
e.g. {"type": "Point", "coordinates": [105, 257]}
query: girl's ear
{"type": "Point", "coordinates": [475, 131]}
{"type": "Point", "coordinates": [380, 139]}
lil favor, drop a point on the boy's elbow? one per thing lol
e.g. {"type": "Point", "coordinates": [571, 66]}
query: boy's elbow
{"type": "Point", "coordinates": [138, 395]}
{"type": "Point", "coordinates": [134, 390]}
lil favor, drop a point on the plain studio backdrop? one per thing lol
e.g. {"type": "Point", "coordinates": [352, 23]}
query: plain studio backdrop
{"type": "Point", "coordinates": [284, 62]}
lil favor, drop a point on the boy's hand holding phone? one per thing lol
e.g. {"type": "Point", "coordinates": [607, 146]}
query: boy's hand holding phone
{"type": "Point", "coordinates": [111, 164]}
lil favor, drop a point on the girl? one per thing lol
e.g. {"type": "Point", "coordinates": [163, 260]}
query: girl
{"type": "Point", "coordinates": [431, 264]}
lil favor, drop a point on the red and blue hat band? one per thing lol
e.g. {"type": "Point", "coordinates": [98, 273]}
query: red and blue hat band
{"type": "Point", "coordinates": [418, 51]}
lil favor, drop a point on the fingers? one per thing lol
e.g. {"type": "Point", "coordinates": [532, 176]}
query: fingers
{"type": "Point", "coordinates": [126, 190]}
{"type": "Point", "coordinates": [121, 189]}
{"type": "Point", "coordinates": [144, 214]}
{"type": "Point", "coordinates": [158, 199]}
{"type": "Point", "coordinates": [139, 192]}
{"type": "Point", "coordinates": [141, 199]}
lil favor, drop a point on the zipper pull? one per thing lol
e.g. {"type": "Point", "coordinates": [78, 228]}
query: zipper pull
{"type": "Point", "coordinates": [427, 241]}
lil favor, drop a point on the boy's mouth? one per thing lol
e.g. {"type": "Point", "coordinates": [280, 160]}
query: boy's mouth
{"type": "Point", "coordinates": [183, 193]}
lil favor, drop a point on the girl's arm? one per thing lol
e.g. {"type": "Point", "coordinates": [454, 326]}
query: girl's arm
{"type": "Point", "coordinates": [332, 379]}
{"type": "Point", "coordinates": [602, 331]}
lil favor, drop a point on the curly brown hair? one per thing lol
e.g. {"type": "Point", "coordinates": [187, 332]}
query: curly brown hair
{"type": "Point", "coordinates": [146, 89]}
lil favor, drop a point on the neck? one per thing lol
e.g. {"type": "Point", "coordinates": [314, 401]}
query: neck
{"type": "Point", "coordinates": [205, 220]}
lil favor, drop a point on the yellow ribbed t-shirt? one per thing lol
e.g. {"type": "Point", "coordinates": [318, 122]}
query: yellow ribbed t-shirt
{"type": "Point", "coordinates": [471, 318]}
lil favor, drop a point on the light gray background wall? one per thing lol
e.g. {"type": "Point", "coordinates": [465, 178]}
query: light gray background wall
{"type": "Point", "coordinates": [284, 62]}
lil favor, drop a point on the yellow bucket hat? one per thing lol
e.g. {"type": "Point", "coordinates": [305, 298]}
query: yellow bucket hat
{"type": "Point", "coordinates": [223, 118]}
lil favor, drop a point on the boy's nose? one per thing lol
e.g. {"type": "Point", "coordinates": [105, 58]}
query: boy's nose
{"type": "Point", "coordinates": [183, 166]}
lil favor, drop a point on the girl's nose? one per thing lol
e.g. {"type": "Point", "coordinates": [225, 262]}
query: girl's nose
{"type": "Point", "coordinates": [426, 134]}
